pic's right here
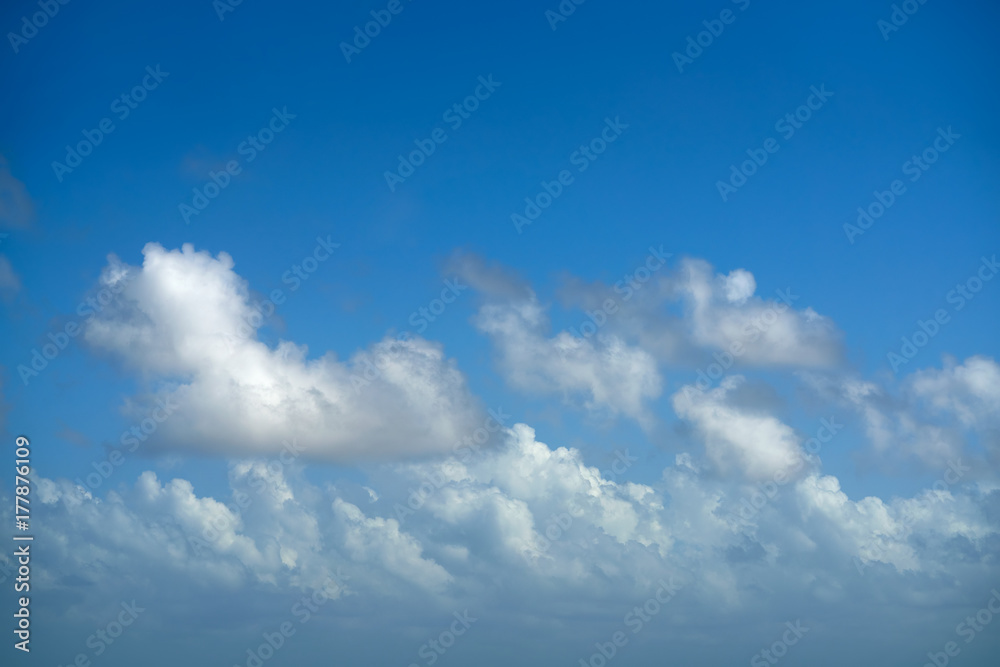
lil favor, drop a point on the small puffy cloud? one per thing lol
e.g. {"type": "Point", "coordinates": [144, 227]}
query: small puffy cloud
{"type": "Point", "coordinates": [185, 322]}
{"type": "Point", "coordinates": [756, 444]}
{"type": "Point", "coordinates": [654, 315]}
{"type": "Point", "coordinates": [970, 391]}
{"type": "Point", "coordinates": [607, 375]}
{"type": "Point", "coordinates": [722, 313]}
{"type": "Point", "coordinates": [603, 374]}
{"type": "Point", "coordinates": [930, 415]}
{"type": "Point", "coordinates": [739, 286]}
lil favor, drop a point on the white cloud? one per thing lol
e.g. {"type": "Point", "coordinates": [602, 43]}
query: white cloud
{"type": "Point", "coordinates": [523, 529]}
{"type": "Point", "coordinates": [379, 541]}
{"type": "Point", "coordinates": [723, 312]}
{"type": "Point", "coordinates": [679, 318]}
{"type": "Point", "coordinates": [685, 315]}
{"type": "Point", "coordinates": [604, 372]}
{"type": "Point", "coordinates": [970, 391]}
{"type": "Point", "coordinates": [753, 443]}
{"type": "Point", "coordinates": [931, 415]}
{"type": "Point", "coordinates": [522, 534]}
{"type": "Point", "coordinates": [739, 286]}
{"type": "Point", "coordinates": [176, 324]}
{"type": "Point", "coordinates": [911, 534]}
{"type": "Point", "coordinates": [537, 518]}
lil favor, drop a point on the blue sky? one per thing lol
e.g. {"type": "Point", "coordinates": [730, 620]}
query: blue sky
{"type": "Point", "coordinates": [212, 82]}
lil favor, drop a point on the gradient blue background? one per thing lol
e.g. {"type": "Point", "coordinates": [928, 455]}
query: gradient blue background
{"type": "Point", "coordinates": [655, 185]}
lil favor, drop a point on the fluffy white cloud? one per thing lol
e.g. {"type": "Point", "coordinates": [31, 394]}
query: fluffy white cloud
{"type": "Point", "coordinates": [684, 315]}
{"type": "Point", "coordinates": [738, 439]}
{"type": "Point", "coordinates": [739, 286]}
{"type": "Point", "coordinates": [607, 374]}
{"type": "Point", "coordinates": [168, 532]}
{"type": "Point", "coordinates": [377, 540]}
{"type": "Point", "coordinates": [525, 531]}
{"type": "Point", "coordinates": [680, 318]}
{"type": "Point", "coordinates": [178, 321]}
{"type": "Point", "coordinates": [970, 391]}
{"type": "Point", "coordinates": [723, 312]}
{"type": "Point", "coordinates": [538, 519]}
{"type": "Point", "coordinates": [933, 413]}
{"type": "Point", "coordinates": [910, 534]}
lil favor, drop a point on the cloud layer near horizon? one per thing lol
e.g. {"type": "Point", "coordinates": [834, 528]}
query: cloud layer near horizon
{"type": "Point", "coordinates": [745, 517]}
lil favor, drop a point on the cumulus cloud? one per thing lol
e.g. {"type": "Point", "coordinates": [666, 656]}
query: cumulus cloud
{"type": "Point", "coordinates": [931, 416]}
{"type": "Point", "coordinates": [685, 315]}
{"type": "Point", "coordinates": [182, 320]}
{"type": "Point", "coordinates": [523, 522]}
{"type": "Point", "coordinates": [970, 391]}
{"type": "Point", "coordinates": [611, 360]}
{"type": "Point", "coordinates": [739, 286]}
{"type": "Point", "coordinates": [745, 520]}
{"type": "Point", "coordinates": [378, 540]}
{"type": "Point", "coordinates": [723, 313]}
{"type": "Point", "coordinates": [910, 534]}
{"type": "Point", "coordinates": [738, 439]}
{"type": "Point", "coordinates": [604, 373]}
